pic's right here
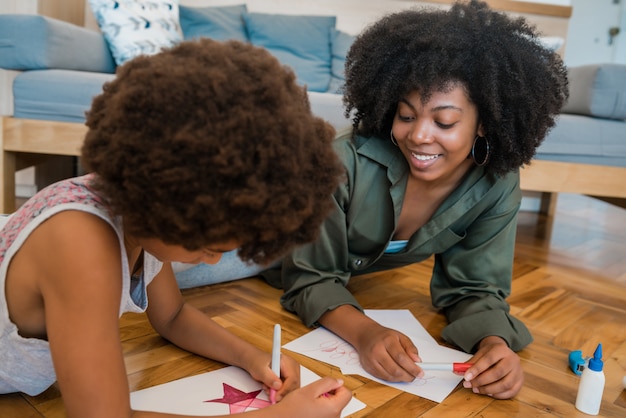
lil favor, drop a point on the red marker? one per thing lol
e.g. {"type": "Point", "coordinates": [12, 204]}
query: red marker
{"type": "Point", "coordinates": [459, 368]}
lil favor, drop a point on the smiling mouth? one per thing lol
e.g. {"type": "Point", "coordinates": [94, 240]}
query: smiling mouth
{"type": "Point", "coordinates": [423, 157]}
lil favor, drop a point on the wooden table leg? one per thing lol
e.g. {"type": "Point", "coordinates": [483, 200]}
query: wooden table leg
{"type": "Point", "coordinates": [7, 185]}
{"type": "Point", "coordinates": [7, 182]}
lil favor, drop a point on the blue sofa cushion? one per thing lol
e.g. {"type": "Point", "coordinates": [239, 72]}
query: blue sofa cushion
{"type": "Point", "coordinates": [340, 44]}
{"type": "Point", "coordinates": [33, 42]}
{"type": "Point", "coordinates": [60, 95]}
{"type": "Point", "coordinates": [300, 42]}
{"type": "Point", "coordinates": [585, 139]}
{"type": "Point", "coordinates": [597, 90]}
{"type": "Point", "coordinates": [137, 27]}
{"type": "Point", "coordinates": [220, 23]}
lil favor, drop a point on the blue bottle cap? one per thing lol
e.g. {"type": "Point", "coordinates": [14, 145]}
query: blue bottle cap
{"type": "Point", "coordinates": [576, 362]}
{"type": "Point", "coordinates": [595, 363]}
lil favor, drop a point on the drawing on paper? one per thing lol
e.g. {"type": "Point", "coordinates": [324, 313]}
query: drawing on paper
{"type": "Point", "coordinates": [343, 352]}
{"type": "Point", "coordinates": [323, 345]}
{"type": "Point", "coordinates": [240, 401]}
{"type": "Point", "coordinates": [229, 390]}
{"type": "Point", "coordinates": [338, 350]}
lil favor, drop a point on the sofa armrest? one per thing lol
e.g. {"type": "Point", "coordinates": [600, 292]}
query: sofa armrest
{"type": "Point", "coordinates": [597, 90]}
{"type": "Point", "coordinates": [34, 42]}
{"type": "Point", "coordinates": [6, 91]}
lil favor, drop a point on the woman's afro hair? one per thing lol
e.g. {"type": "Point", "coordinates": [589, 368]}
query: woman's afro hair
{"type": "Point", "coordinates": [209, 142]}
{"type": "Point", "coordinates": [518, 85]}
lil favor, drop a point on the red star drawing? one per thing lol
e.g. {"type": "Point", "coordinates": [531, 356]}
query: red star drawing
{"type": "Point", "coordinates": [239, 401]}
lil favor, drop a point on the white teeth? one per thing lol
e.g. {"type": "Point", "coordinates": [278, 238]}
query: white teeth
{"type": "Point", "coordinates": [424, 157]}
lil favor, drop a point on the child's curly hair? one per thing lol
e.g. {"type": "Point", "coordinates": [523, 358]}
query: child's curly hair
{"type": "Point", "coordinates": [209, 142]}
{"type": "Point", "coordinates": [518, 85]}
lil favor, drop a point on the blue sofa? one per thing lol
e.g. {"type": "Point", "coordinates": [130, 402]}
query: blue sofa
{"type": "Point", "coordinates": [58, 67]}
{"type": "Point", "coordinates": [63, 65]}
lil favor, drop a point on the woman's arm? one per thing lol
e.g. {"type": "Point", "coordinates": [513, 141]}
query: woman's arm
{"type": "Point", "coordinates": [314, 276]}
{"type": "Point", "coordinates": [386, 353]}
{"type": "Point", "coordinates": [472, 280]}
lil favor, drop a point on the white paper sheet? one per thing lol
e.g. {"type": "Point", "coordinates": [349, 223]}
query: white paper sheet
{"type": "Point", "coordinates": [221, 392]}
{"type": "Point", "coordinates": [325, 346]}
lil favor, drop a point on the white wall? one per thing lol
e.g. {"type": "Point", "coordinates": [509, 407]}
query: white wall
{"type": "Point", "coordinates": [619, 52]}
{"type": "Point", "coordinates": [588, 35]}
{"type": "Point", "coordinates": [555, 2]}
{"type": "Point", "coordinates": [587, 38]}
{"type": "Point", "coordinates": [18, 6]}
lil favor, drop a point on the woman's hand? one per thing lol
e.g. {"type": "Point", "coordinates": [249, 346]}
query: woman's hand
{"type": "Point", "coordinates": [384, 352]}
{"type": "Point", "coordinates": [323, 398]}
{"type": "Point", "coordinates": [388, 354]}
{"type": "Point", "coordinates": [288, 381]}
{"type": "Point", "coordinates": [496, 370]}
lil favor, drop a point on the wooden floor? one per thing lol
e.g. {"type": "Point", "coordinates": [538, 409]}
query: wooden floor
{"type": "Point", "coordinates": [569, 288]}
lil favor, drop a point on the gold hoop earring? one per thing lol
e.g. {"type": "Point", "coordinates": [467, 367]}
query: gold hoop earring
{"type": "Point", "coordinates": [480, 151]}
{"type": "Point", "coordinates": [394, 141]}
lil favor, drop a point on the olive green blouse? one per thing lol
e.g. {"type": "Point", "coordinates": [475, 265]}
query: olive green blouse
{"type": "Point", "coordinates": [472, 236]}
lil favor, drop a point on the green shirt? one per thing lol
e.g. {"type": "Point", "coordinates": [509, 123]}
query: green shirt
{"type": "Point", "coordinates": [472, 235]}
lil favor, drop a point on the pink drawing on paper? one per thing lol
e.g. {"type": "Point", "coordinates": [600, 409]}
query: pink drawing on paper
{"type": "Point", "coordinates": [339, 350]}
{"type": "Point", "coordinates": [240, 401]}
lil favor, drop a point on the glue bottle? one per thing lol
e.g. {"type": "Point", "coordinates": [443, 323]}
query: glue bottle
{"type": "Point", "coordinates": [591, 385]}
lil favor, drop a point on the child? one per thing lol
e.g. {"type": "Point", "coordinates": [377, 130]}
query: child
{"type": "Point", "coordinates": [202, 149]}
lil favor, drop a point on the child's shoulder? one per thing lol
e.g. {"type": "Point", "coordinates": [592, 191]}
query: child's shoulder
{"type": "Point", "coordinates": [66, 206]}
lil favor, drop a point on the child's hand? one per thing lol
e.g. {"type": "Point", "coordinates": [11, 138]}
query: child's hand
{"type": "Point", "coordinates": [289, 377]}
{"type": "Point", "coordinates": [323, 398]}
{"type": "Point", "coordinates": [288, 381]}
{"type": "Point", "coordinates": [497, 370]}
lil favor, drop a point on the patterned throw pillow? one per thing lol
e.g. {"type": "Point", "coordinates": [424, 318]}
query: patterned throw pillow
{"type": "Point", "coordinates": [137, 27]}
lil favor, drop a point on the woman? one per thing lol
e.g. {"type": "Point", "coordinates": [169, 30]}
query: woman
{"type": "Point", "coordinates": [182, 152]}
{"type": "Point", "coordinates": [448, 106]}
